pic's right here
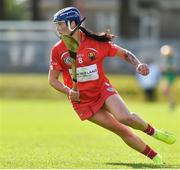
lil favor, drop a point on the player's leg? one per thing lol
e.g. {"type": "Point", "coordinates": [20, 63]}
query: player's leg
{"type": "Point", "coordinates": [107, 121]}
{"type": "Point", "coordinates": [170, 98]}
{"type": "Point", "coordinates": [167, 91]}
{"type": "Point", "coordinates": [115, 105]}
{"type": "Point", "coordinates": [151, 92]}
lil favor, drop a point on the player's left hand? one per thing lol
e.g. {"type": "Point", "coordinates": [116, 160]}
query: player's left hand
{"type": "Point", "coordinates": [142, 69]}
{"type": "Point", "coordinates": [74, 95]}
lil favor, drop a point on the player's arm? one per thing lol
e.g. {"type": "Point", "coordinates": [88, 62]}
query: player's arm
{"type": "Point", "coordinates": [55, 83]}
{"type": "Point", "coordinates": [132, 59]}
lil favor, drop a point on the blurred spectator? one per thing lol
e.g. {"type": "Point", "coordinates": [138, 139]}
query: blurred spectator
{"type": "Point", "coordinates": [169, 73]}
{"type": "Point", "coordinates": [150, 82]}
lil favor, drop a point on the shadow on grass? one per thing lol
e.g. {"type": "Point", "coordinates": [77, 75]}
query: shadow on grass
{"type": "Point", "coordinates": [143, 165]}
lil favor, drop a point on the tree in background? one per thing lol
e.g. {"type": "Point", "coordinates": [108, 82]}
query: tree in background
{"type": "Point", "coordinates": [11, 10]}
{"type": "Point", "coordinates": [125, 17]}
{"type": "Point", "coordinates": [2, 10]}
{"type": "Point", "coordinates": [35, 7]}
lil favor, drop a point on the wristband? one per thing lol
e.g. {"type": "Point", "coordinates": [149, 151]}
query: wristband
{"type": "Point", "coordinates": [137, 68]}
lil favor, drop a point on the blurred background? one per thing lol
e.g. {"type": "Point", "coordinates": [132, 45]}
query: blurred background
{"type": "Point", "coordinates": [27, 35]}
{"type": "Point", "coordinates": [38, 127]}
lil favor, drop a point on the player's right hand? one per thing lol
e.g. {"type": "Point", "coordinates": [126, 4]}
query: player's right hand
{"type": "Point", "coordinates": [73, 95]}
{"type": "Point", "coordinates": [142, 69]}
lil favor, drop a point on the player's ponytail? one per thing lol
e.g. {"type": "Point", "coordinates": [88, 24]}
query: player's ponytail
{"type": "Point", "coordinates": [103, 37]}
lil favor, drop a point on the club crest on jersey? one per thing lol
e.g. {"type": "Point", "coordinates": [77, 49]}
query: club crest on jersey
{"type": "Point", "coordinates": [92, 56]}
{"type": "Point", "coordinates": [67, 60]}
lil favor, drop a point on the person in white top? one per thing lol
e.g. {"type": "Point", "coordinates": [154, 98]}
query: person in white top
{"type": "Point", "coordinates": [150, 82]}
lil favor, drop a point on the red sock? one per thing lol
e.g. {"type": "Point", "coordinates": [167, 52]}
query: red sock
{"type": "Point", "coordinates": [150, 130]}
{"type": "Point", "coordinates": [149, 152]}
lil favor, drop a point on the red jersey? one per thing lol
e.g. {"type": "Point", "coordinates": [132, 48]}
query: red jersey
{"type": "Point", "coordinates": [90, 73]}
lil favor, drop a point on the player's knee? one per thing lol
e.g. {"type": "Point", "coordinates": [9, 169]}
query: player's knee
{"type": "Point", "coordinates": [129, 119]}
{"type": "Point", "coordinates": [126, 134]}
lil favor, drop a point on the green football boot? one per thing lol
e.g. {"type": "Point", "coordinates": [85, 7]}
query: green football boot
{"type": "Point", "coordinates": [158, 160]}
{"type": "Point", "coordinates": [166, 137]}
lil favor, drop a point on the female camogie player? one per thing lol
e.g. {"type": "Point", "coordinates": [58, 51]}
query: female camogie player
{"type": "Point", "coordinates": [169, 73]}
{"type": "Point", "coordinates": [99, 101]}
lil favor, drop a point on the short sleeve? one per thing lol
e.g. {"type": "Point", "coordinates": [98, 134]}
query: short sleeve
{"type": "Point", "coordinates": [55, 62]}
{"type": "Point", "coordinates": [109, 49]}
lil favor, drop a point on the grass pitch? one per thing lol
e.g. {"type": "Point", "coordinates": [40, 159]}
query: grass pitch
{"type": "Point", "coordinates": [48, 134]}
